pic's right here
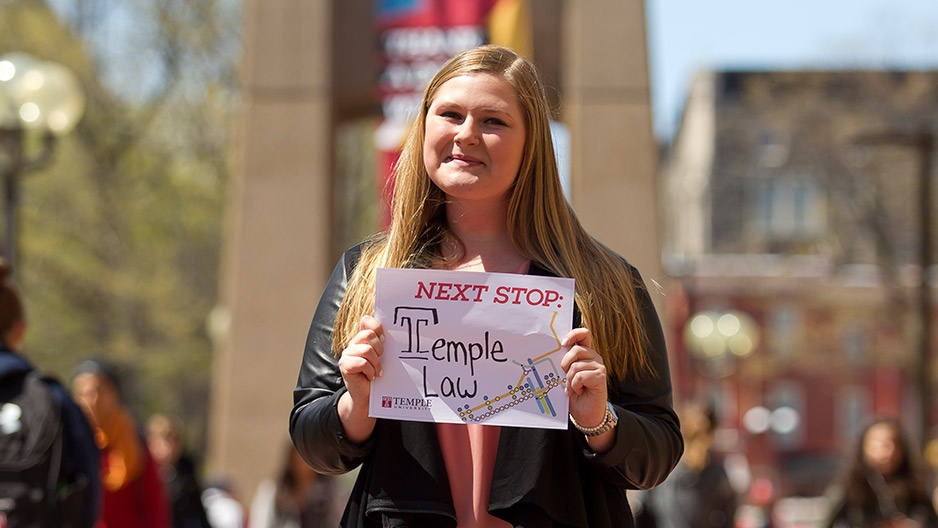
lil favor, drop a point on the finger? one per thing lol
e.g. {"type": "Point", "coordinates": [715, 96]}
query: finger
{"type": "Point", "coordinates": [366, 347]}
{"type": "Point", "coordinates": [575, 354]}
{"type": "Point", "coordinates": [578, 336]}
{"type": "Point", "coordinates": [368, 322]}
{"type": "Point", "coordinates": [357, 364]}
{"type": "Point", "coordinates": [583, 377]}
{"type": "Point", "coordinates": [371, 334]}
{"type": "Point", "coordinates": [369, 339]}
{"type": "Point", "coordinates": [579, 353]}
{"type": "Point", "coordinates": [577, 367]}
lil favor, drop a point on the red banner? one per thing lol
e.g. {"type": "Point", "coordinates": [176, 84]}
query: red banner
{"type": "Point", "coordinates": [417, 37]}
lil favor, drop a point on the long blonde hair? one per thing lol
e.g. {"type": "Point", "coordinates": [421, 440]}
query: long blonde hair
{"type": "Point", "coordinates": [541, 223]}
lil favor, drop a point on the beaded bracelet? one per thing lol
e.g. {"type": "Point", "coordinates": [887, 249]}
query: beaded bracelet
{"type": "Point", "coordinates": [609, 422]}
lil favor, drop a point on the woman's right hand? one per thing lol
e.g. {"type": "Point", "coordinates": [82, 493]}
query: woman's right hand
{"type": "Point", "coordinates": [359, 364]}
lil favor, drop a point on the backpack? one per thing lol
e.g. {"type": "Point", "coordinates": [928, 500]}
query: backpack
{"type": "Point", "coordinates": [30, 453]}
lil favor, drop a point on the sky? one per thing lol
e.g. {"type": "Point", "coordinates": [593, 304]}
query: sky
{"type": "Point", "coordinates": [685, 36]}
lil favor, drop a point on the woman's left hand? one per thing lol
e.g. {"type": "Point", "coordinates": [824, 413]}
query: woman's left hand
{"type": "Point", "coordinates": [586, 378]}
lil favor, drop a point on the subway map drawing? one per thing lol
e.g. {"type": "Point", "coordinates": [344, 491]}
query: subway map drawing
{"type": "Point", "coordinates": [539, 375]}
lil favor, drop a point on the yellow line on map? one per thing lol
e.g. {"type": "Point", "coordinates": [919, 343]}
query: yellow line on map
{"type": "Point", "coordinates": [538, 392]}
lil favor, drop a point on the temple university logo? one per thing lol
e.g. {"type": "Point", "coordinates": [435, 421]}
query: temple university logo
{"type": "Point", "coordinates": [386, 401]}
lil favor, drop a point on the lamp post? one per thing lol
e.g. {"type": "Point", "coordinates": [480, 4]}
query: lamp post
{"type": "Point", "coordinates": [39, 97]}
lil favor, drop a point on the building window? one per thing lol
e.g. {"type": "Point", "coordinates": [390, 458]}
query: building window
{"type": "Point", "coordinates": [784, 324]}
{"type": "Point", "coordinates": [790, 208]}
{"type": "Point", "coordinates": [852, 407]}
{"type": "Point", "coordinates": [855, 343]}
{"type": "Point", "coordinates": [787, 401]}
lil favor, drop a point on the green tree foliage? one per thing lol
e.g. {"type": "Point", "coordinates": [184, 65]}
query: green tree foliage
{"type": "Point", "coordinates": [120, 235]}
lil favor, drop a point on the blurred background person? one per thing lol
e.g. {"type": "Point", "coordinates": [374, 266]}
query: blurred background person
{"type": "Point", "coordinates": [298, 497]}
{"type": "Point", "coordinates": [164, 439]}
{"type": "Point", "coordinates": [222, 504]}
{"type": "Point", "coordinates": [698, 493]}
{"type": "Point", "coordinates": [931, 461]}
{"type": "Point", "coordinates": [134, 493]}
{"type": "Point", "coordinates": [882, 484]}
{"type": "Point", "coordinates": [64, 477]}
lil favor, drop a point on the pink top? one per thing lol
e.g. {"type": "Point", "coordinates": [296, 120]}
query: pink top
{"type": "Point", "coordinates": [469, 454]}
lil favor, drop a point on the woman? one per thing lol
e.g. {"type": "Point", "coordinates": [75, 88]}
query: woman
{"type": "Point", "coordinates": [698, 492]}
{"type": "Point", "coordinates": [177, 469]}
{"type": "Point", "coordinates": [133, 494]}
{"type": "Point", "coordinates": [477, 189]}
{"type": "Point", "coordinates": [881, 485]}
{"type": "Point", "coordinates": [298, 498]}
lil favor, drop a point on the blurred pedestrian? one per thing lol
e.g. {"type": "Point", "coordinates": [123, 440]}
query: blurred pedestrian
{"type": "Point", "coordinates": [164, 439]}
{"type": "Point", "coordinates": [48, 458]}
{"type": "Point", "coordinates": [222, 504]}
{"type": "Point", "coordinates": [698, 493]}
{"type": "Point", "coordinates": [882, 484]}
{"type": "Point", "coordinates": [931, 461]}
{"type": "Point", "coordinates": [134, 493]}
{"type": "Point", "coordinates": [297, 498]}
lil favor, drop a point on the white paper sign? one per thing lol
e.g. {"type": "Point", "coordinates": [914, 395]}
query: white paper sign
{"type": "Point", "coordinates": [470, 347]}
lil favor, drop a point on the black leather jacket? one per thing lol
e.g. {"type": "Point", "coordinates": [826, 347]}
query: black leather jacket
{"type": "Point", "coordinates": [542, 477]}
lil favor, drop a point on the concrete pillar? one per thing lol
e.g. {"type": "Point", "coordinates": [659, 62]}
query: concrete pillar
{"type": "Point", "coordinates": [606, 104]}
{"type": "Point", "coordinates": [276, 255]}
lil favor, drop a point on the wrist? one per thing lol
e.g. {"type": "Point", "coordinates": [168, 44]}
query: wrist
{"type": "Point", "coordinates": [608, 423]}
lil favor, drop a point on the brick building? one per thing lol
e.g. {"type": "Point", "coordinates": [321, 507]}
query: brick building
{"type": "Point", "coordinates": [798, 198]}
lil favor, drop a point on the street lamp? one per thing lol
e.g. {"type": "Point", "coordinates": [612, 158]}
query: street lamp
{"type": "Point", "coordinates": [723, 338]}
{"type": "Point", "coordinates": [713, 335]}
{"type": "Point", "coordinates": [36, 96]}
{"type": "Point", "coordinates": [719, 340]}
